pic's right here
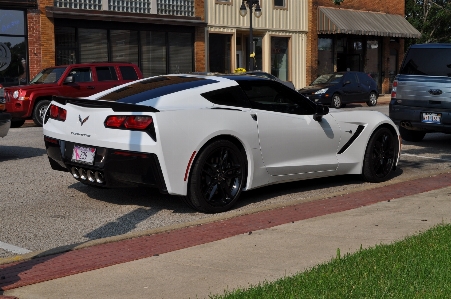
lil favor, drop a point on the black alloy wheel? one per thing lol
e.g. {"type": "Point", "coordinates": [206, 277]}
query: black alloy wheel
{"type": "Point", "coordinates": [39, 112]}
{"type": "Point", "coordinates": [217, 177]}
{"type": "Point", "coordinates": [380, 155]}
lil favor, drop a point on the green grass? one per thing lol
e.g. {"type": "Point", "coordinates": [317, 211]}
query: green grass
{"type": "Point", "coordinates": [417, 267]}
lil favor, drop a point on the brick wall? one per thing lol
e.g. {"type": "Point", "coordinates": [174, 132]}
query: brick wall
{"type": "Point", "coordinates": [385, 6]}
{"type": "Point", "coordinates": [47, 36]}
{"type": "Point", "coordinates": [199, 43]}
{"type": "Point", "coordinates": [34, 41]}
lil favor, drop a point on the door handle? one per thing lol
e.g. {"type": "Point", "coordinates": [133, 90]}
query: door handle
{"type": "Point", "coordinates": [254, 116]}
{"type": "Point", "coordinates": [91, 87]}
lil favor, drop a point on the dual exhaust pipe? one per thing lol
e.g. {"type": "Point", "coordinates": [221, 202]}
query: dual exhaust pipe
{"type": "Point", "coordinates": [87, 175]}
{"type": "Point", "coordinates": [405, 124]}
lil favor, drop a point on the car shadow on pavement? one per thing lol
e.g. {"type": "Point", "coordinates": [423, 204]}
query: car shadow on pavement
{"type": "Point", "coordinates": [8, 153]}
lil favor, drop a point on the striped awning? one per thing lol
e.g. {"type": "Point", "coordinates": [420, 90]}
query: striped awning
{"type": "Point", "coordinates": [347, 21]}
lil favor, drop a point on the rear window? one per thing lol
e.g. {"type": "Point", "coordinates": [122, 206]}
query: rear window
{"type": "Point", "coordinates": [106, 73]}
{"type": "Point", "coordinates": [427, 61]}
{"type": "Point", "coordinates": [230, 96]}
{"type": "Point", "coordinates": [128, 73]}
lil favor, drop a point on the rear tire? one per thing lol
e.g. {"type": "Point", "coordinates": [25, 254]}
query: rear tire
{"type": "Point", "coordinates": [17, 123]}
{"type": "Point", "coordinates": [380, 156]}
{"type": "Point", "coordinates": [373, 99]}
{"type": "Point", "coordinates": [217, 177]}
{"type": "Point", "coordinates": [336, 101]}
{"type": "Point", "coordinates": [411, 135]}
{"type": "Point", "coordinates": [39, 112]}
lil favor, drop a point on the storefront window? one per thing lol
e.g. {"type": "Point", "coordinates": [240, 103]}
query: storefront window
{"type": "Point", "coordinates": [66, 45]}
{"type": "Point", "coordinates": [153, 53]}
{"type": "Point", "coordinates": [325, 56]}
{"type": "Point", "coordinates": [372, 60]}
{"type": "Point", "coordinates": [93, 45]}
{"type": "Point", "coordinates": [279, 57]}
{"type": "Point", "coordinates": [219, 53]}
{"type": "Point", "coordinates": [124, 45]}
{"type": "Point", "coordinates": [13, 48]}
{"type": "Point", "coordinates": [180, 52]}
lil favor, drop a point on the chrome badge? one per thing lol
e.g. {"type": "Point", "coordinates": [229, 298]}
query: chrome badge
{"type": "Point", "coordinates": [82, 121]}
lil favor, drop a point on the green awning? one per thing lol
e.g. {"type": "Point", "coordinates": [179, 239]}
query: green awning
{"type": "Point", "coordinates": [347, 21]}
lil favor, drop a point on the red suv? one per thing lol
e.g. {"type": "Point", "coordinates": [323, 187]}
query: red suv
{"type": "Point", "coordinates": [75, 80]}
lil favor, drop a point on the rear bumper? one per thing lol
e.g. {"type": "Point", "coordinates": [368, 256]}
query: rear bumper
{"type": "Point", "coordinates": [5, 123]}
{"type": "Point", "coordinates": [410, 118]}
{"type": "Point", "coordinates": [117, 168]}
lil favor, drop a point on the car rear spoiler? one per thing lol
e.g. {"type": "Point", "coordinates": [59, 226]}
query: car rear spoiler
{"type": "Point", "coordinates": [115, 106]}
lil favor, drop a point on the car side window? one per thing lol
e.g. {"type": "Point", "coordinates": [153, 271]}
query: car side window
{"type": "Point", "coordinates": [350, 78]}
{"type": "Point", "coordinates": [106, 73]}
{"type": "Point", "coordinates": [128, 73]}
{"type": "Point", "coordinates": [273, 96]}
{"type": "Point", "coordinates": [81, 74]}
{"type": "Point", "coordinates": [229, 96]}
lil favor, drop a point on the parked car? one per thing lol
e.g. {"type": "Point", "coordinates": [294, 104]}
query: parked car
{"type": "Point", "coordinates": [77, 80]}
{"type": "Point", "coordinates": [208, 138]}
{"type": "Point", "coordinates": [272, 77]}
{"type": "Point", "coordinates": [5, 118]}
{"type": "Point", "coordinates": [338, 89]}
{"type": "Point", "coordinates": [421, 95]}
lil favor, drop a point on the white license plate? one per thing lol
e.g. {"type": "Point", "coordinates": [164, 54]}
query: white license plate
{"type": "Point", "coordinates": [83, 154]}
{"type": "Point", "coordinates": [432, 118]}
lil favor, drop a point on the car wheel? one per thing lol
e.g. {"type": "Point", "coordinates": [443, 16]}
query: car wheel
{"type": "Point", "coordinates": [380, 156]}
{"type": "Point", "coordinates": [217, 177]}
{"type": "Point", "coordinates": [373, 99]}
{"type": "Point", "coordinates": [411, 135]}
{"type": "Point", "coordinates": [39, 112]}
{"type": "Point", "coordinates": [17, 123]}
{"type": "Point", "coordinates": [336, 101]}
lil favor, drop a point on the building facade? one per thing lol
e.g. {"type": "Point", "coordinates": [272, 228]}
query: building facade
{"type": "Point", "coordinates": [358, 35]}
{"type": "Point", "coordinates": [279, 38]}
{"type": "Point", "coordinates": [160, 36]}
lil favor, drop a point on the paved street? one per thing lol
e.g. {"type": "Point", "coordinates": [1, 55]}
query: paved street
{"type": "Point", "coordinates": [42, 209]}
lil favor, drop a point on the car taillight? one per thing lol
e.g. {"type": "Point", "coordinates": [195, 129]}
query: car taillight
{"type": "Point", "coordinates": [132, 122]}
{"type": "Point", "coordinates": [57, 113]}
{"type": "Point", "coordinates": [393, 90]}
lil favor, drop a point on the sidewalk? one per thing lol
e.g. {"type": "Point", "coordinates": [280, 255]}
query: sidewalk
{"type": "Point", "coordinates": [197, 261]}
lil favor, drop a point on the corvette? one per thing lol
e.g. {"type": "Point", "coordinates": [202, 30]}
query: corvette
{"type": "Point", "coordinates": [208, 138]}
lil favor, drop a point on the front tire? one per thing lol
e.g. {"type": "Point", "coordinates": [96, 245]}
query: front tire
{"type": "Point", "coordinates": [39, 112]}
{"type": "Point", "coordinates": [217, 177]}
{"type": "Point", "coordinates": [380, 156]}
{"type": "Point", "coordinates": [336, 101]}
{"type": "Point", "coordinates": [373, 99]}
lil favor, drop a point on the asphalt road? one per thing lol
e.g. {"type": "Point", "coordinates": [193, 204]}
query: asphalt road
{"type": "Point", "coordinates": [41, 209]}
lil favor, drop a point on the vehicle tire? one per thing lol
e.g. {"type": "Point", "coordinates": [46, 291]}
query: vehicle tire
{"type": "Point", "coordinates": [217, 177]}
{"type": "Point", "coordinates": [336, 101]}
{"type": "Point", "coordinates": [411, 135]}
{"type": "Point", "coordinates": [39, 112]}
{"type": "Point", "coordinates": [373, 99]}
{"type": "Point", "coordinates": [380, 156]}
{"type": "Point", "coordinates": [17, 123]}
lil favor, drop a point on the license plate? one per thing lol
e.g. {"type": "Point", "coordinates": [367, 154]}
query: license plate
{"type": "Point", "coordinates": [83, 154]}
{"type": "Point", "coordinates": [432, 118]}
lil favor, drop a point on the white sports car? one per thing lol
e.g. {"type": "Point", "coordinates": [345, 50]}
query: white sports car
{"type": "Point", "coordinates": [208, 138]}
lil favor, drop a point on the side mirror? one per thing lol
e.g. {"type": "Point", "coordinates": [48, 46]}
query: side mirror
{"type": "Point", "coordinates": [320, 110]}
{"type": "Point", "coordinates": [69, 79]}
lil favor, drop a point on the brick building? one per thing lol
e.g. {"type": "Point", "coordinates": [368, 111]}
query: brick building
{"type": "Point", "coordinates": [161, 36]}
{"type": "Point", "coordinates": [359, 35]}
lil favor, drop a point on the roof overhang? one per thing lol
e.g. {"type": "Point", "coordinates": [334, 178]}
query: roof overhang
{"type": "Point", "coordinates": [347, 21]}
{"type": "Point", "coordinates": [114, 16]}
{"type": "Point", "coordinates": [19, 3]}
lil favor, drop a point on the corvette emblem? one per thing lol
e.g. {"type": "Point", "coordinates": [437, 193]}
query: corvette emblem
{"type": "Point", "coordinates": [82, 121]}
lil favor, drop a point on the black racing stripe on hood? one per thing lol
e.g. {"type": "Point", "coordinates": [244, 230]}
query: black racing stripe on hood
{"type": "Point", "coordinates": [115, 106]}
{"type": "Point", "coordinates": [153, 88]}
{"type": "Point", "coordinates": [351, 140]}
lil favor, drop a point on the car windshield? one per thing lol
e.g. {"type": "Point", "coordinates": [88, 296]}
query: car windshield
{"type": "Point", "coordinates": [327, 78]}
{"type": "Point", "coordinates": [50, 75]}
